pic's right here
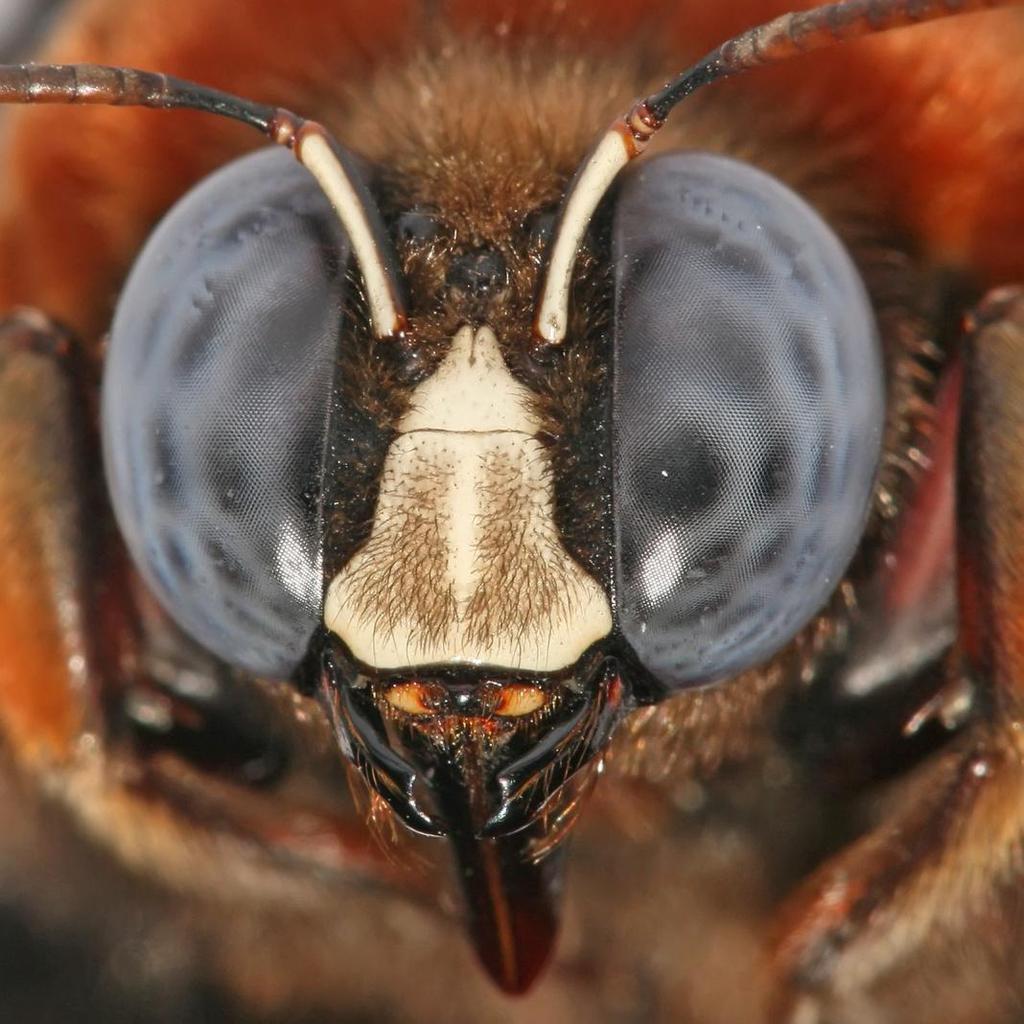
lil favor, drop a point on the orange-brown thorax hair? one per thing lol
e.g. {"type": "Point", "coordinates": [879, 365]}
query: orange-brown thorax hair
{"type": "Point", "coordinates": [482, 132]}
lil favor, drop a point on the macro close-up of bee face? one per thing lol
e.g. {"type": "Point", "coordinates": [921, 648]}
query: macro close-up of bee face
{"type": "Point", "coordinates": [531, 532]}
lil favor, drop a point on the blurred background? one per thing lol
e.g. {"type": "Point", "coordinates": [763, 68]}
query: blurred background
{"type": "Point", "coordinates": [21, 23]}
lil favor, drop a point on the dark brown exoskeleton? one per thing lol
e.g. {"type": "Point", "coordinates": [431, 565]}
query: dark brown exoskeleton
{"type": "Point", "coordinates": [488, 461]}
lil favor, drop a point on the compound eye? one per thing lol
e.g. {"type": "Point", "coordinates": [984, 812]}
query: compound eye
{"type": "Point", "coordinates": [748, 405]}
{"type": "Point", "coordinates": [215, 403]}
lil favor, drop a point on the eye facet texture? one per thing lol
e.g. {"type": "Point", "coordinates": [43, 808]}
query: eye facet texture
{"type": "Point", "coordinates": [215, 405]}
{"type": "Point", "coordinates": [748, 404]}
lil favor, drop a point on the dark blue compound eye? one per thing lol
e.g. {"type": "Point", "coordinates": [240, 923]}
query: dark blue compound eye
{"type": "Point", "coordinates": [215, 405]}
{"type": "Point", "coordinates": [748, 404]}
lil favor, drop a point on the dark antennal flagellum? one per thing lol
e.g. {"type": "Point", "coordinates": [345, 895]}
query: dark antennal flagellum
{"type": "Point", "coordinates": [802, 32]}
{"type": "Point", "coordinates": [127, 87]}
{"type": "Point", "coordinates": [311, 143]}
{"type": "Point", "coordinates": [787, 36]}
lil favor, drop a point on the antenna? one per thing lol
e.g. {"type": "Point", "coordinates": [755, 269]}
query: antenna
{"type": "Point", "coordinates": [787, 36]}
{"type": "Point", "coordinates": [313, 146]}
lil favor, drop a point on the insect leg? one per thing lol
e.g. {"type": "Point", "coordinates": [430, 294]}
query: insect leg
{"type": "Point", "coordinates": [87, 662]}
{"type": "Point", "coordinates": [46, 554]}
{"type": "Point", "coordinates": [925, 912]}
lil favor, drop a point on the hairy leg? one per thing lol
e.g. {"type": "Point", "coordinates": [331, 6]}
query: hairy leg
{"type": "Point", "coordinates": [921, 919]}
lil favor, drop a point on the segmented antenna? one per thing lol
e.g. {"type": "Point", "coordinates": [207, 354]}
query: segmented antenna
{"type": "Point", "coordinates": [124, 87]}
{"type": "Point", "coordinates": [787, 36]}
{"type": "Point", "coordinates": [313, 147]}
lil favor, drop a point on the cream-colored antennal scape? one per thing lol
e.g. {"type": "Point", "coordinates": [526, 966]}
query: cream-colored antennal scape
{"type": "Point", "coordinates": [314, 152]}
{"type": "Point", "coordinates": [464, 564]}
{"type": "Point", "coordinates": [624, 140]}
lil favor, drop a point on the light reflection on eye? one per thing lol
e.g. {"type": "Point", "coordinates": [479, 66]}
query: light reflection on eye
{"type": "Point", "coordinates": [293, 559]}
{"type": "Point", "coordinates": [659, 577]}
